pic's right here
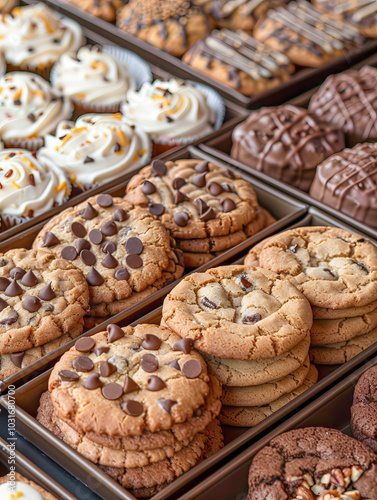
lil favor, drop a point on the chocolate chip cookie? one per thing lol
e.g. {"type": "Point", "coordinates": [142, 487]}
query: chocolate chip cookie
{"type": "Point", "coordinates": [364, 409]}
{"type": "Point", "coordinates": [104, 9]}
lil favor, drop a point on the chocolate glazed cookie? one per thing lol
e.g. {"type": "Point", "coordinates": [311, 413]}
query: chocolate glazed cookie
{"type": "Point", "coordinates": [364, 409]}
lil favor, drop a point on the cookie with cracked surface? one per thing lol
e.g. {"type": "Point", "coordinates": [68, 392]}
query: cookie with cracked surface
{"type": "Point", "coordinates": [42, 297]}
{"type": "Point", "coordinates": [104, 9]}
{"type": "Point", "coordinates": [248, 416]}
{"type": "Point", "coordinates": [24, 488]}
{"type": "Point", "coordinates": [238, 312]}
{"type": "Point", "coordinates": [119, 248]}
{"type": "Point", "coordinates": [194, 198]}
{"type": "Point", "coordinates": [350, 312]}
{"type": "Point", "coordinates": [328, 461]}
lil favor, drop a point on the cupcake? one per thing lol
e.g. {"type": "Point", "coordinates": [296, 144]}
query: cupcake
{"type": "Point", "coordinates": [28, 188]}
{"type": "Point", "coordinates": [96, 149]}
{"type": "Point", "coordinates": [174, 113]}
{"type": "Point", "coordinates": [29, 109]}
{"type": "Point", "coordinates": [34, 37]}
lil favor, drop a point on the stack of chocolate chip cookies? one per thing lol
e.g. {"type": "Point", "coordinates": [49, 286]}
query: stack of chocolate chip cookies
{"type": "Point", "coordinates": [207, 209]}
{"type": "Point", "coordinates": [124, 252]}
{"type": "Point", "coordinates": [137, 401]}
{"type": "Point", "coordinates": [43, 300]}
{"type": "Point", "coordinates": [253, 329]}
{"type": "Point", "coordinates": [337, 272]}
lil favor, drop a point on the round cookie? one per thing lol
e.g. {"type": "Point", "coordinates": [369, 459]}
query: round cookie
{"type": "Point", "coordinates": [306, 463]}
{"type": "Point", "coordinates": [238, 312]}
{"type": "Point", "coordinates": [42, 297]}
{"type": "Point", "coordinates": [239, 373]}
{"type": "Point", "coordinates": [249, 416]}
{"type": "Point", "coordinates": [120, 249]}
{"type": "Point", "coordinates": [351, 312]}
{"type": "Point", "coordinates": [261, 395]}
{"type": "Point", "coordinates": [212, 244]}
{"type": "Point", "coordinates": [104, 9]}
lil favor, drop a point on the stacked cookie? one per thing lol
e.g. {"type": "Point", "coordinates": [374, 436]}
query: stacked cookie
{"type": "Point", "coordinates": [364, 409]}
{"type": "Point", "coordinates": [337, 272]}
{"type": "Point", "coordinates": [207, 209]}
{"type": "Point", "coordinates": [252, 328]}
{"type": "Point", "coordinates": [137, 401]}
{"type": "Point", "coordinates": [43, 300]}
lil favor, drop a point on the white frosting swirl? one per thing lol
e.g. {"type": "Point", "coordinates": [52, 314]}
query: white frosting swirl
{"type": "Point", "coordinates": [29, 107]}
{"type": "Point", "coordinates": [35, 36]}
{"type": "Point", "coordinates": [169, 110]}
{"type": "Point", "coordinates": [8, 492]}
{"type": "Point", "coordinates": [26, 185]}
{"type": "Point", "coordinates": [97, 149]}
{"type": "Point", "coordinates": [93, 77]}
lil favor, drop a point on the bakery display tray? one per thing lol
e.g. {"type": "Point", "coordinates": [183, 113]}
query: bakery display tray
{"type": "Point", "coordinates": [301, 81]}
{"type": "Point", "coordinates": [220, 147]}
{"type": "Point", "coordinates": [283, 207]}
{"type": "Point", "coordinates": [236, 439]}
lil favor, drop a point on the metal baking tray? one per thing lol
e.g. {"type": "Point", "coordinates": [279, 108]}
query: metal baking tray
{"type": "Point", "coordinates": [221, 145]}
{"type": "Point", "coordinates": [283, 207]}
{"type": "Point", "coordinates": [301, 81]}
{"type": "Point", "coordinates": [28, 395]}
{"type": "Point", "coordinates": [331, 409]}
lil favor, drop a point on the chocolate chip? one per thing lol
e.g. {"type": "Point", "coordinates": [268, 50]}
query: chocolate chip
{"type": "Point", "coordinates": [192, 368]}
{"type": "Point", "coordinates": [181, 219]}
{"type": "Point", "coordinates": [166, 404]}
{"type": "Point", "coordinates": [229, 188]}
{"type": "Point", "coordinates": [17, 358]}
{"type": "Point", "coordinates": [3, 304]}
{"type": "Point", "coordinates": [151, 342]}
{"type": "Point", "coordinates": [69, 253]}
{"type": "Point", "coordinates": [156, 209]}
{"type": "Point", "coordinates": [109, 228]}
{"type": "Point", "coordinates": [214, 188]}
{"type": "Point", "coordinates": [89, 212]}
{"type": "Point", "coordinates": [184, 345]}
{"type": "Point", "coordinates": [132, 408]}
{"type": "Point", "coordinates": [363, 266]}
{"type": "Point", "coordinates": [208, 303]}
{"type": "Point", "coordinates": [78, 229]}
{"type": "Point", "coordinates": [50, 240]}
{"type": "Point", "coordinates": [122, 274]}
{"type": "Point", "coordinates": [174, 364]}
{"type": "Point", "coordinates": [252, 319]}
{"type": "Point", "coordinates": [110, 262]}
{"type": "Point", "coordinates": [158, 168]}
{"type": "Point", "coordinates": [115, 332]}
{"type": "Point", "coordinates": [293, 248]}
{"type": "Point", "coordinates": [10, 319]}
{"type": "Point", "coordinates": [245, 283]}
{"type": "Point", "coordinates": [202, 167]}
{"type": "Point", "coordinates": [94, 278]}
{"type": "Point", "coordinates": [88, 257]}
{"type": "Point", "coordinates": [178, 183]}
{"type": "Point", "coordinates": [17, 273]}
{"type": "Point", "coordinates": [108, 247]}
{"type": "Point", "coordinates": [105, 200]}
{"type": "Point", "coordinates": [47, 293]}
{"type": "Point", "coordinates": [112, 391]}
{"type": "Point", "coordinates": [83, 364]}
{"type": "Point", "coordinates": [96, 236]}
{"type": "Point", "coordinates": [208, 215]}
{"type": "Point", "coordinates": [4, 282]}
{"type": "Point", "coordinates": [85, 344]}
{"type": "Point", "coordinates": [149, 363]}
{"type": "Point", "coordinates": [134, 245]}
{"type": "Point", "coordinates": [101, 349]}
{"type": "Point", "coordinates": [180, 197]}
{"type": "Point", "coordinates": [148, 187]}
{"type": "Point", "coordinates": [68, 376]}
{"type": "Point", "coordinates": [199, 179]}
{"type": "Point", "coordinates": [31, 304]}
{"type": "Point", "coordinates": [13, 289]}
{"type": "Point", "coordinates": [31, 116]}
{"type": "Point", "coordinates": [3, 262]}
{"type": "Point", "coordinates": [155, 384]}
{"type": "Point", "coordinates": [93, 382]}
{"type": "Point", "coordinates": [228, 205]}
{"type": "Point", "coordinates": [201, 205]}
{"type": "Point", "coordinates": [129, 385]}
{"type": "Point", "coordinates": [82, 245]}
{"type": "Point", "coordinates": [88, 159]}
{"type": "Point", "coordinates": [29, 279]}
{"type": "Point", "coordinates": [134, 261]}
{"type": "Point", "coordinates": [120, 215]}
{"type": "Point", "coordinates": [228, 173]}
{"type": "Point", "coordinates": [106, 369]}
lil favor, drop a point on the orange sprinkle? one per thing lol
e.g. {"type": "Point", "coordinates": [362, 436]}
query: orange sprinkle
{"type": "Point", "coordinates": [17, 94]}
{"type": "Point", "coordinates": [117, 116]}
{"type": "Point", "coordinates": [62, 186]}
{"type": "Point", "coordinates": [77, 130]}
{"type": "Point", "coordinates": [64, 141]}
{"type": "Point", "coordinates": [122, 139]}
{"type": "Point", "coordinates": [139, 153]}
{"type": "Point", "coordinates": [16, 186]}
{"type": "Point", "coordinates": [39, 92]}
{"type": "Point", "coordinates": [73, 178]}
{"type": "Point", "coordinates": [119, 152]}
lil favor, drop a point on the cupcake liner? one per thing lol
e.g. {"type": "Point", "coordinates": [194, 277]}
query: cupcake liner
{"type": "Point", "coordinates": [82, 108]}
{"type": "Point", "coordinates": [29, 144]}
{"type": "Point", "coordinates": [12, 220]}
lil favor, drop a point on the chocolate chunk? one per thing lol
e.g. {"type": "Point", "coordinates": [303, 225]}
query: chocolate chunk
{"type": "Point", "coordinates": [293, 248]}
{"type": "Point", "coordinates": [3, 262]}
{"type": "Point", "coordinates": [149, 363]}
{"type": "Point", "coordinates": [10, 319]}
{"type": "Point", "coordinates": [68, 376]}
{"type": "Point", "coordinates": [252, 319]}
{"type": "Point", "coordinates": [112, 391]}
{"type": "Point", "coordinates": [174, 364]}
{"type": "Point", "coordinates": [151, 342]}
{"type": "Point", "coordinates": [180, 197]}
{"type": "Point", "coordinates": [88, 159]}
{"type": "Point", "coordinates": [363, 266]}
{"type": "Point", "coordinates": [192, 368]}
{"type": "Point", "coordinates": [82, 245]}
{"type": "Point", "coordinates": [245, 283]}
{"type": "Point", "coordinates": [199, 179]}
{"type": "Point", "coordinates": [115, 332]}
{"type": "Point", "coordinates": [110, 262]}
{"type": "Point", "coordinates": [17, 273]}
{"type": "Point", "coordinates": [4, 283]}
{"type": "Point", "coordinates": [155, 384]}
{"type": "Point", "coordinates": [208, 303]}
{"type": "Point", "coordinates": [106, 368]}
{"type": "Point", "coordinates": [69, 253]}
{"type": "Point", "coordinates": [13, 289]}
{"type": "Point", "coordinates": [31, 116]}
{"type": "Point", "coordinates": [78, 229]}
{"type": "Point", "coordinates": [120, 215]}
{"type": "Point", "coordinates": [158, 168]}
{"type": "Point", "coordinates": [184, 345]}
{"type": "Point", "coordinates": [181, 219]}
{"type": "Point", "coordinates": [89, 212]}
{"type": "Point", "coordinates": [108, 247]}
{"type": "Point", "coordinates": [31, 304]}
{"type": "Point", "coordinates": [228, 205]}
{"type": "Point", "coordinates": [85, 344]}
{"type": "Point", "coordinates": [178, 183]}
{"type": "Point", "coordinates": [94, 278]}
{"type": "Point", "coordinates": [228, 173]}
{"type": "Point", "coordinates": [132, 408]}
{"type": "Point", "coordinates": [3, 304]}
{"type": "Point", "coordinates": [83, 364]}
{"type": "Point", "coordinates": [101, 349]}
{"type": "Point", "coordinates": [202, 167]}
{"type": "Point", "coordinates": [134, 245]}
{"type": "Point", "coordinates": [134, 261]}
{"type": "Point", "coordinates": [148, 188]}
{"type": "Point", "coordinates": [47, 293]}
{"type": "Point", "coordinates": [96, 236]}
{"type": "Point", "coordinates": [201, 205]}
{"type": "Point", "coordinates": [109, 228]}
{"type": "Point", "coordinates": [122, 274]}
{"type": "Point", "coordinates": [156, 209]}
{"type": "Point", "coordinates": [105, 200]}
{"type": "Point", "coordinates": [93, 382]}
{"type": "Point", "coordinates": [229, 188]}
{"type": "Point", "coordinates": [166, 404]}
{"type": "Point", "coordinates": [50, 240]}
{"type": "Point", "coordinates": [88, 257]}
{"type": "Point", "coordinates": [208, 214]}
{"type": "Point", "coordinates": [29, 279]}
{"type": "Point", "coordinates": [214, 188]}
{"type": "Point", "coordinates": [17, 358]}
{"type": "Point", "coordinates": [129, 385]}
